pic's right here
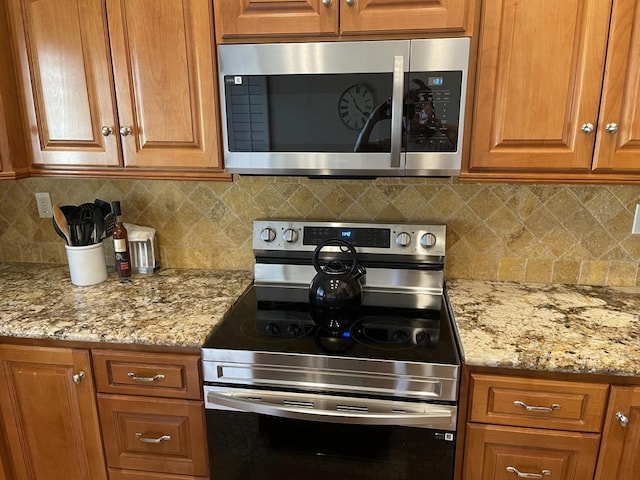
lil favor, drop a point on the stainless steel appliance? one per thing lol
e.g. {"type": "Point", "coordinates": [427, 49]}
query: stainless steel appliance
{"type": "Point", "coordinates": [358, 109]}
{"type": "Point", "coordinates": [368, 394]}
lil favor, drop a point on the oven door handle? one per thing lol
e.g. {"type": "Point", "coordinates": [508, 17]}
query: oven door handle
{"type": "Point", "coordinates": [325, 408]}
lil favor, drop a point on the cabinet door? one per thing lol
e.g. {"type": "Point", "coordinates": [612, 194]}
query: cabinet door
{"type": "Point", "coordinates": [499, 453]}
{"type": "Point", "coordinates": [540, 67]}
{"type": "Point", "coordinates": [619, 457]}
{"type": "Point", "coordinates": [379, 16]}
{"type": "Point", "coordinates": [51, 421]}
{"type": "Point", "coordinates": [66, 77]}
{"type": "Point", "coordinates": [163, 67]}
{"type": "Point", "coordinates": [251, 18]}
{"type": "Point", "coordinates": [618, 139]}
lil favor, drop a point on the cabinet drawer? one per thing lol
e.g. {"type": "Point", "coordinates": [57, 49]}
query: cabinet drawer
{"type": "Point", "coordinates": [115, 474]}
{"type": "Point", "coordinates": [537, 403]}
{"type": "Point", "coordinates": [154, 435]}
{"type": "Point", "coordinates": [499, 453]}
{"type": "Point", "coordinates": [151, 374]}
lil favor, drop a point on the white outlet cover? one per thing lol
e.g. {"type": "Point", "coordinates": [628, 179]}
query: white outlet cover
{"type": "Point", "coordinates": [636, 221]}
{"type": "Point", "coordinates": [43, 200]}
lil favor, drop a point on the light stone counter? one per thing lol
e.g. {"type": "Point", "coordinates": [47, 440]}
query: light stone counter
{"type": "Point", "coordinates": [170, 308]}
{"type": "Point", "coordinates": [556, 328]}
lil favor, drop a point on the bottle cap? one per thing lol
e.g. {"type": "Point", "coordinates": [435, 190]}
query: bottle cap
{"type": "Point", "coordinates": [115, 206]}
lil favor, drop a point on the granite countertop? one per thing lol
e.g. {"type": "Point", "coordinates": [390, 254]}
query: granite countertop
{"type": "Point", "coordinates": [557, 328]}
{"type": "Point", "coordinates": [169, 308]}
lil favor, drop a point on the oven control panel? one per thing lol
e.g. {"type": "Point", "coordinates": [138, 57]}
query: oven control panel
{"type": "Point", "coordinates": [379, 238]}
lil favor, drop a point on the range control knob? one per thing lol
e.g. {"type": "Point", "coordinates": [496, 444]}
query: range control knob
{"type": "Point", "coordinates": [403, 239]}
{"type": "Point", "coordinates": [428, 240]}
{"type": "Point", "coordinates": [268, 235]}
{"type": "Point", "coordinates": [290, 235]}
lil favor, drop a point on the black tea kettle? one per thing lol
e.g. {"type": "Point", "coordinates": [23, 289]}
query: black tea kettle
{"type": "Point", "coordinates": [336, 285]}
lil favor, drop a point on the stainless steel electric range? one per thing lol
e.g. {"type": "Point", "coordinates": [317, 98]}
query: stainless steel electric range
{"type": "Point", "coordinates": [368, 393]}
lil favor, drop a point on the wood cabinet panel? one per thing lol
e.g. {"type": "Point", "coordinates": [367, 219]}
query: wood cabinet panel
{"type": "Point", "coordinates": [245, 18]}
{"type": "Point", "coordinates": [51, 421]}
{"type": "Point", "coordinates": [619, 457]}
{"type": "Point", "coordinates": [137, 373]}
{"type": "Point", "coordinates": [163, 63]}
{"type": "Point", "coordinates": [154, 435]}
{"type": "Point", "coordinates": [66, 75]}
{"type": "Point", "coordinates": [115, 474]}
{"type": "Point", "coordinates": [539, 80]}
{"type": "Point", "coordinates": [551, 404]}
{"type": "Point", "coordinates": [14, 162]}
{"type": "Point", "coordinates": [380, 16]}
{"type": "Point", "coordinates": [619, 151]}
{"type": "Point", "coordinates": [241, 19]}
{"type": "Point", "coordinates": [496, 452]}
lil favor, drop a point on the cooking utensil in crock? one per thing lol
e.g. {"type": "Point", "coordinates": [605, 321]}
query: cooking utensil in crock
{"type": "Point", "coordinates": [336, 284]}
{"type": "Point", "coordinates": [61, 225]}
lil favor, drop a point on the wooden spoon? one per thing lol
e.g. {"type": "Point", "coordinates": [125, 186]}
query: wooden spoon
{"type": "Point", "coordinates": [60, 220]}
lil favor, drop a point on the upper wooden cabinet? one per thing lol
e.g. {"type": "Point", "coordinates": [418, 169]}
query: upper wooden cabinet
{"type": "Point", "coordinates": [557, 84]}
{"type": "Point", "coordinates": [119, 88]}
{"type": "Point", "coordinates": [237, 19]}
{"type": "Point", "coordinates": [14, 162]}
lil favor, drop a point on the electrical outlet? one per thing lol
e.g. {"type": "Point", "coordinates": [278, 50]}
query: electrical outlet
{"type": "Point", "coordinates": [43, 200]}
{"type": "Point", "coordinates": [636, 221]}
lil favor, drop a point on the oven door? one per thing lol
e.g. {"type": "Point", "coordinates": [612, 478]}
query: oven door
{"type": "Point", "coordinates": [266, 435]}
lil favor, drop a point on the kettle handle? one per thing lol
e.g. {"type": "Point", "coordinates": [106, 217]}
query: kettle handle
{"type": "Point", "coordinates": [340, 243]}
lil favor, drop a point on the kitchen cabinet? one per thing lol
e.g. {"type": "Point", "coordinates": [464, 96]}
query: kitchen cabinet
{"type": "Point", "coordinates": [241, 19]}
{"type": "Point", "coordinates": [152, 415]}
{"type": "Point", "coordinates": [13, 152]}
{"type": "Point", "coordinates": [122, 88]}
{"type": "Point", "coordinates": [621, 438]}
{"type": "Point", "coordinates": [49, 412]}
{"type": "Point", "coordinates": [556, 92]}
{"type": "Point", "coordinates": [536, 427]}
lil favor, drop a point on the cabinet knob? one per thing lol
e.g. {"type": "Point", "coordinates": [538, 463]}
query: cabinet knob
{"type": "Point", "coordinates": [350, 2]}
{"type": "Point", "coordinates": [327, 3]}
{"type": "Point", "coordinates": [611, 128]}
{"type": "Point", "coordinates": [587, 128]}
{"type": "Point", "coordinates": [106, 131]}
{"type": "Point", "coordinates": [77, 377]}
{"type": "Point", "coordinates": [125, 131]}
{"type": "Point", "coordinates": [622, 418]}
{"type": "Point", "coordinates": [520, 474]}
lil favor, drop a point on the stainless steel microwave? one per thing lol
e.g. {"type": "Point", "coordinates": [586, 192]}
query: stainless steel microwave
{"type": "Point", "coordinates": [352, 109]}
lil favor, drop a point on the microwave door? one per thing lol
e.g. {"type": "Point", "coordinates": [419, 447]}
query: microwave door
{"type": "Point", "coordinates": [313, 109]}
{"type": "Point", "coordinates": [434, 109]}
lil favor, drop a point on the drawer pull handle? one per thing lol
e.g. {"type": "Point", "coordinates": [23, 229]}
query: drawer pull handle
{"type": "Point", "coordinates": [530, 408]}
{"type": "Point", "coordinates": [161, 438]}
{"type": "Point", "coordinates": [520, 474]}
{"type": "Point", "coordinates": [135, 377]}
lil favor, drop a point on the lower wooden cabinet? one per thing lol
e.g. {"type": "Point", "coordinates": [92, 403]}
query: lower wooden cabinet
{"type": "Point", "coordinates": [154, 435]}
{"type": "Point", "coordinates": [48, 408]}
{"type": "Point", "coordinates": [506, 453]}
{"type": "Point", "coordinates": [152, 415]}
{"type": "Point", "coordinates": [620, 451]}
{"type": "Point", "coordinates": [533, 428]}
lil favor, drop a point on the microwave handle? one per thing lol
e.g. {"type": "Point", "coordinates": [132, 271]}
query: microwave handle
{"type": "Point", "coordinates": [396, 110]}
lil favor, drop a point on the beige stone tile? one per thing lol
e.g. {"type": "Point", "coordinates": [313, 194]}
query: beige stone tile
{"type": "Point", "coordinates": [622, 273]}
{"type": "Point", "coordinates": [593, 272]}
{"type": "Point", "coordinates": [511, 269]}
{"type": "Point", "coordinates": [538, 270]}
{"type": "Point", "coordinates": [565, 271]}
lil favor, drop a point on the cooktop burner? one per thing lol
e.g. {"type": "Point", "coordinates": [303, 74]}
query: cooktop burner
{"type": "Point", "coordinates": [389, 333]}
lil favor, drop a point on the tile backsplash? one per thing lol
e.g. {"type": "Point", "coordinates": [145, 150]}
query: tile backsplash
{"type": "Point", "coordinates": [539, 233]}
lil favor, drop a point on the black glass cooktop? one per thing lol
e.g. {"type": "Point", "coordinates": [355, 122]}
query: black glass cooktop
{"type": "Point", "coordinates": [385, 333]}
